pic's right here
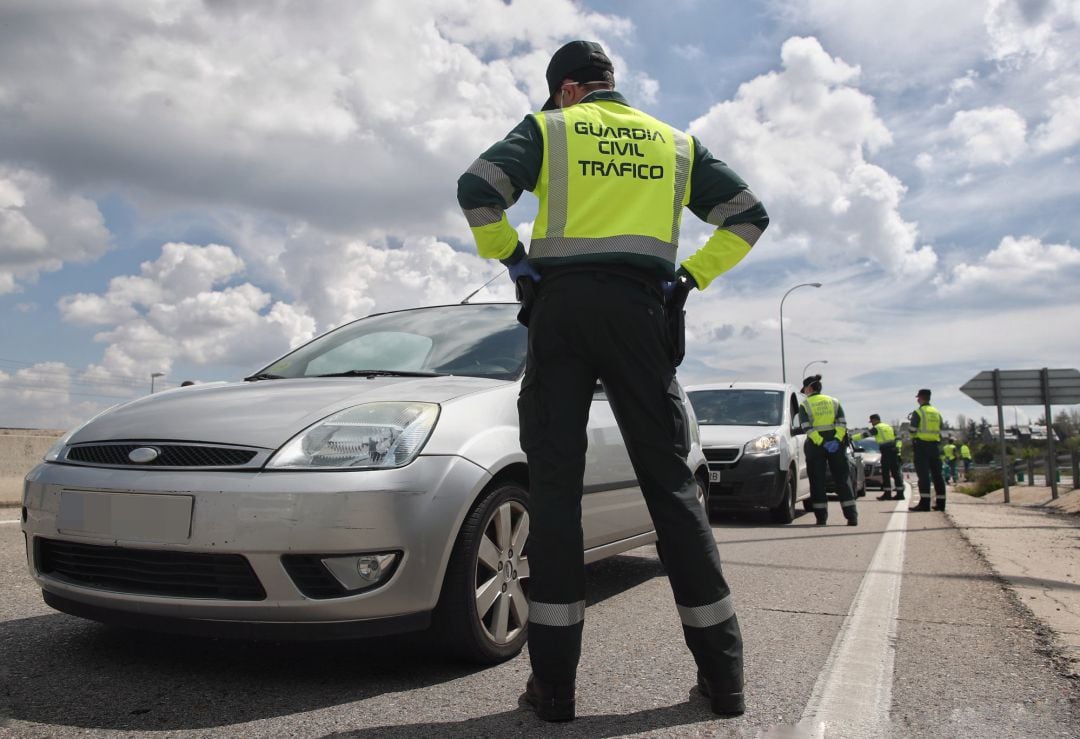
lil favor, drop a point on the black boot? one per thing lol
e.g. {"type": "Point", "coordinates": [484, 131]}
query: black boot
{"type": "Point", "coordinates": [887, 495]}
{"type": "Point", "coordinates": [924, 505]}
{"type": "Point", "coordinates": [551, 702]}
{"type": "Point", "coordinates": [724, 700]}
{"type": "Point", "coordinates": [822, 520]}
{"type": "Point", "coordinates": [853, 520]}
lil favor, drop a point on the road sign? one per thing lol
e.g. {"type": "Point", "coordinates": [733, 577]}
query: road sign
{"type": "Point", "coordinates": [1025, 387]}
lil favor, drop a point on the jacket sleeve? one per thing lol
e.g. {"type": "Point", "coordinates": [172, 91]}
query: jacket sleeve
{"type": "Point", "coordinates": [720, 197]}
{"type": "Point", "coordinates": [841, 422]}
{"type": "Point", "coordinates": [493, 183]}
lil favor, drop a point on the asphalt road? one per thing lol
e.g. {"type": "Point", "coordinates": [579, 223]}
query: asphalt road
{"type": "Point", "coordinates": [894, 628]}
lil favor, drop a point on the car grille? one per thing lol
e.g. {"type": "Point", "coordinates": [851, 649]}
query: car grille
{"type": "Point", "coordinates": [169, 455]}
{"type": "Point", "coordinates": [149, 571]}
{"type": "Point", "coordinates": [723, 457]}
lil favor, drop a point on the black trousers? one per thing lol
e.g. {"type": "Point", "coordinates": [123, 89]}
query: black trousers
{"type": "Point", "coordinates": [890, 468]}
{"type": "Point", "coordinates": [587, 326]}
{"type": "Point", "coordinates": [927, 468]}
{"type": "Point", "coordinates": [816, 461]}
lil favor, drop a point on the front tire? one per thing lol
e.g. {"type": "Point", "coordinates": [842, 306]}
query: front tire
{"type": "Point", "coordinates": [483, 611]}
{"type": "Point", "coordinates": [785, 511]}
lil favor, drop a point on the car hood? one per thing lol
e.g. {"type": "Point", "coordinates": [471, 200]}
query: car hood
{"type": "Point", "coordinates": [733, 435]}
{"type": "Point", "coordinates": [264, 414]}
{"type": "Point", "coordinates": [869, 456]}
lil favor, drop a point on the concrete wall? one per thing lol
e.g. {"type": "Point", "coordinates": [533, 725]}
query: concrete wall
{"type": "Point", "coordinates": [20, 451]}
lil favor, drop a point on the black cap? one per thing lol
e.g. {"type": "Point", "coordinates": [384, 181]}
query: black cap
{"type": "Point", "coordinates": [924, 393]}
{"type": "Point", "coordinates": [811, 380]}
{"type": "Point", "coordinates": [572, 57]}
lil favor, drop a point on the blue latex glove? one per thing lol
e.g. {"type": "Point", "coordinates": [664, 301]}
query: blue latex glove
{"type": "Point", "coordinates": [832, 446]}
{"type": "Point", "coordinates": [523, 268]}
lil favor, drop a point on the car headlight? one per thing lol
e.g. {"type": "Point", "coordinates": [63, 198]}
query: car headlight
{"type": "Point", "coordinates": [368, 436]}
{"type": "Point", "coordinates": [767, 444]}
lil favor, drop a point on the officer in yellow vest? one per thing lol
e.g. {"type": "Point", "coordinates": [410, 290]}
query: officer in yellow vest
{"type": "Point", "coordinates": [887, 442]}
{"type": "Point", "coordinates": [965, 456]}
{"type": "Point", "coordinates": [603, 300]}
{"type": "Point", "coordinates": [949, 452]}
{"type": "Point", "coordinates": [822, 418]}
{"type": "Point", "coordinates": [925, 424]}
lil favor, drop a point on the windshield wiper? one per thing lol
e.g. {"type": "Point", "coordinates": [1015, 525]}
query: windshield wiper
{"type": "Point", "coordinates": [263, 376]}
{"type": "Point", "coordinates": [381, 373]}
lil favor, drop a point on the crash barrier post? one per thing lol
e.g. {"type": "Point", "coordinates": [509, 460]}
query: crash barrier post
{"type": "Point", "coordinates": [1075, 454]}
{"type": "Point", "coordinates": [1031, 471]}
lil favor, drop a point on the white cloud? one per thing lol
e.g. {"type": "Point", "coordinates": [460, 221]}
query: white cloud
{"type": "Point", "coordinates": [180, 308]}
{"type": "Point", "coordinates": [996, 135]}
{"type": "Point", "coordinates": [1045, 31]}
{"type": "Point", "coordinates": [800, 138]}
{"type": "Point", "coordinates": [1061, 130]}
{"type": "Point", "coordinates": [351, 116]}
{"type": "Point", "coordinates": [1023, 268]}
{"type": "Point", "coordinates": [46, 395]}
{"type": "Point", "coordinates": [41, 228]}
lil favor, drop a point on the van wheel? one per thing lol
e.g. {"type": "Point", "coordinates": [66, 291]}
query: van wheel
{"type": "Point", "coordinates": [483, 610]}
{"type": "Point", "coordinates": [785, 511]}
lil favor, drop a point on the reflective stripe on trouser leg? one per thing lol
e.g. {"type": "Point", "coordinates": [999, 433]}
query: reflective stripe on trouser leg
{"type": "Point", "coordinates": [847, 504]}
{"type": "Point", "coordinates": [820, 506]}
{"type": "Point", "coordinates": [711, 614]}
{"type": "Point", "coordinates": [556, 614]}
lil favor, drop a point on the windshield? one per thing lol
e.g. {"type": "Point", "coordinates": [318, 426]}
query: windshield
{"type": "Point", "coordinates": [474, 340]}
{"type": "Point", "coordinates": [731, 407]}
{"type": "Point", "coordinates": [868, 445]}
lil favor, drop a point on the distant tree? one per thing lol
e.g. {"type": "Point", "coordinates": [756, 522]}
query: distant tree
{"type": "Point", "coordinates": [1065, 424]}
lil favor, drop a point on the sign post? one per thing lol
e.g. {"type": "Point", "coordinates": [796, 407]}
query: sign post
{"type": "Point", "coordinates": [1043, 387]}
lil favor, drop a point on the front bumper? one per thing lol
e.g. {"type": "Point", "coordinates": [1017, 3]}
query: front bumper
{"type": "Point", "coordinates": [261, 516]}
{"type": "Point", "coordinates": [750, 481]}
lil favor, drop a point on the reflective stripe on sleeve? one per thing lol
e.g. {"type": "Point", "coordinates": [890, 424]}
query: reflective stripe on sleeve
{"type": "Point", "coordinates": [483, 216]}
{"type": "Point", "coordinates": [741, 203]}
{"type": "Point", "coordinates": [702, 617]}
{"type": "Point", "coordinates": [556, 614]}
{"type": "Point", "coordinates": [495, 177]}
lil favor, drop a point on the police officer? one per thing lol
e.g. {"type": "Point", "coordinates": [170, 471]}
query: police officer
{"type": "Point", "coordinates": [611, 182]}
{"type": "Point", "coordinates": [965, 456]}
{"type": "Point", "coordinates": [925, 424]}
{"type": "Point", "coordinates": [949, 452]}
{"type": "Point", "coordinates": [822, 418]}
{"type": "Point", "coordinates": [886, 440]}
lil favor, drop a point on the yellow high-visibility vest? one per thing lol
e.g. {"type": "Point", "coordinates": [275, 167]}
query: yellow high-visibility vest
{"type": "Point", "coordinates": [613, 180]}
{"type": "Point", "coordinates": [929, 428]}
{"type": "Point", "coordinates": [822, 410]}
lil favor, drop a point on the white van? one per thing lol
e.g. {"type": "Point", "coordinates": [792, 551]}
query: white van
{"type": "Point", "coordinates": [751, 439]}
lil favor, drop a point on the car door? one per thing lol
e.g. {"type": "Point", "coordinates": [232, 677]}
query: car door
{"type": "Point", "coordinates": [612, 506]}
{"type": "Point", "coordinates": [802, 487]}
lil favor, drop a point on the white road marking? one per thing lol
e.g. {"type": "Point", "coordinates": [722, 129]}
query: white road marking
{"type": "Point", "coordinates": [14, 520]}
{"type": "Point", "coordinates": [853, 693]}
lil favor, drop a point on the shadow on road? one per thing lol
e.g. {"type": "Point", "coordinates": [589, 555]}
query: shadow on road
{"type": "Point", "coordinates": [63, 671]}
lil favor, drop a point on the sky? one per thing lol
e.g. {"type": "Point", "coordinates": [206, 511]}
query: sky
{"type": "Point", "coordinates": [192, 188]}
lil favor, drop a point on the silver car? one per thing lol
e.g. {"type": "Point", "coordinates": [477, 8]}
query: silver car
{"type": "Point", "coordinates": [369, 482]}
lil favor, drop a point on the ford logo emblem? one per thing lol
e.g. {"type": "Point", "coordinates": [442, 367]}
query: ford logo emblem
{"type": "Point", "coordinates": [143, 454]}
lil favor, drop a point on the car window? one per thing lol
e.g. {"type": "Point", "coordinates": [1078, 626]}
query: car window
{"type": "Point", "coordinates": [476, 340]}
{"type": "Point", "coordinates": [738, 407]}
{"type": "Point", "coordinates": [868, 445]}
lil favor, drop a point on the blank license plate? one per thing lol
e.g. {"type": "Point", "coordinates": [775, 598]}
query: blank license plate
{"type": "Point", "coordinates": [714, 476]}
{"type": "Point", "coordinates": [131, 516]}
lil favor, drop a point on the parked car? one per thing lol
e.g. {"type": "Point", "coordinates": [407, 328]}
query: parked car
{"type": "Point", "coordinates": [750, 435]}
{"type": "Point", "coordinates": [870, 452]}
{"type": "Point", "coordinates": [369, 482]}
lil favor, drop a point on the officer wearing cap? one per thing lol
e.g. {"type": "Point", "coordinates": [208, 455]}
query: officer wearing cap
{"type": "Point", "coordinates": [889, 447]}
{"type": "Point", "coordinates": [925, 423]}
{"type": "Point", "coordinates": [612, 183]}
{"type": "Point", "coordinates": [821, 417]}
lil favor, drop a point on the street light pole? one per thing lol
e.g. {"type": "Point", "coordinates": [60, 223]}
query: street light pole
{"type": "Point", "coordinates": [807, 366]}
{"type": "Point", "coordinates": [154, 376]}
{"type": "Point", "coordinates": [783, 364]}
